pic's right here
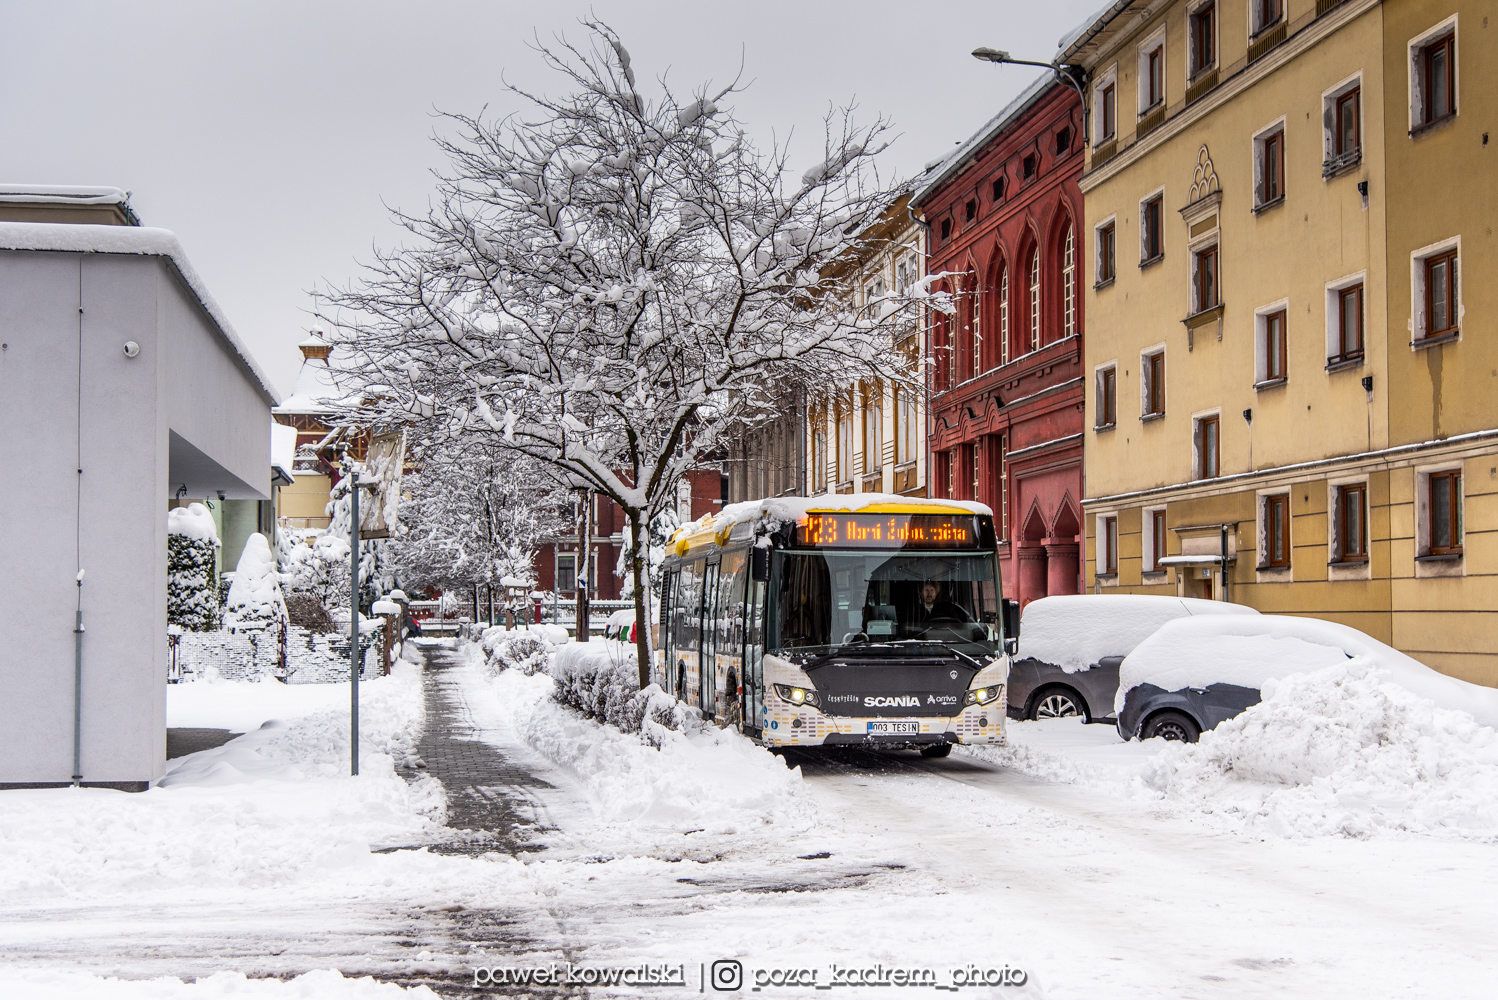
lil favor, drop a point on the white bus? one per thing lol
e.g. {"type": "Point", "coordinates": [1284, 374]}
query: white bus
{"type": "Point", "coordinates": [803, 622]}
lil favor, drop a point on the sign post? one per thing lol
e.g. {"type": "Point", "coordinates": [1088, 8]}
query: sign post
{"type": "Point", "coordinates": [353, 620]}
{"type": "Point", "coordinates": [384, 462]}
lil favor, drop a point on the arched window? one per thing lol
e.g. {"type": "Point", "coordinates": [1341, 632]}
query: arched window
{"type": "Point", "coordinates": [941, 351]}
{"type": "Point", "coordinates": [1004, 314]}
{"type": "Point", "coordinates": [1035, 299]}
{"type": "Point", "coordinates": [975, 357]}
{"type": "Point", "coordinates": [1068, 285]}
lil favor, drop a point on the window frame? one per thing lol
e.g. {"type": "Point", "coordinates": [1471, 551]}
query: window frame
{"type": "Point", "coordinates": [1108, 541]}
{"type": "Point", "coordinates": [1105, 248]}
{"type": "Point", "coordinates": [1420, 293]}
{"type": "Point", "coordinates": [1269, 163]}
{"type": "Point", "coordinates": [1454, 512]}
{"type": "Point", "coordinates": [1451, 286]}
{"type": "Point", "coordinates": [1105, 389]}
{"type": "Point", "coordinates": [1152, 375]}
{"type": "Point", "coordinates": [1107, 101]}
{"type": "Point", "coordinates": [1068, 278]}
{"type": "Point", "coordinates": [1337, 157]}
{"type": "Point", "coordinates": [1203, 423]}
{"type": "Point", "coordinates": [1199, 38]}
{"type": "Point", "coordinates": [1274, 530]}
{"type": "Point", "coordinates": [1154, 525]}
{"type": "Point", "coordinates": [1034, 334]}
{"type": "Point", "coordinates": [1338, 353]}
{"type": "Point", "coordinates": [1150, 75]}
{"type": "Point", "coordinates": [1259, 18]}
{"type": "Point", "coordinates": [1206, 277]}
{"type": "Point", "coordinates": [1348, 107]}
{"type": "Point", "coordinates": [1276, 338]}
{"type": "Point", "coordinates": [1152, 236]}
{"type": "Point", "coordinates": [1422, 115]}
{"type": "Point", "coordinates": [1345, 491]}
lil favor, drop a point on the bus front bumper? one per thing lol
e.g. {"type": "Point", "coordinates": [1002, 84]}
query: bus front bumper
{"type": "Point", "coordinates": [806, 726]}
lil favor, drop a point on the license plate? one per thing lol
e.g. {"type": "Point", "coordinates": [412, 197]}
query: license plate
{"type": "Point", "coordinates": [894, 727]}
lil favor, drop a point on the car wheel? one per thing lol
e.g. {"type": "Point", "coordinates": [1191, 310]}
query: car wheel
{"type": "Point", "coordinates": [937, 750]}
{"type": "Point", "coordinates": [1057, 703]}
{"type": "Point", "coordinates": [1171, 726]}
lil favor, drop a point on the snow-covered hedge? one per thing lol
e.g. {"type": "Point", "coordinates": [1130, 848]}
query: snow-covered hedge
{"type": "Point", "coordinates": [191, 576]}
{"type": "Point", "coordinates": [255, 600]}
{"type": "Point", "coordinates": [525, 651]}
{"type": "Point", "coordinates": [600, 680]}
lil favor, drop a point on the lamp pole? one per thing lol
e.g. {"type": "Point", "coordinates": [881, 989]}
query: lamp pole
{"type": "Point", "coordinates": [1072, 75]}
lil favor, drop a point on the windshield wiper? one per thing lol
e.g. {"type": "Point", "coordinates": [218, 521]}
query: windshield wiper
{"type": "Point", "coordinates": [950, 649]}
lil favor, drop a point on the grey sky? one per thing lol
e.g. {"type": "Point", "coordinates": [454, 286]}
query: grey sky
{"type": "Point", "coordinates": [270, 135]}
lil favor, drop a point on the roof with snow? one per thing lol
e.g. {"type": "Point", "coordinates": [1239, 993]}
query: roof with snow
{"type": "Point", "coordinates": [1096, 28]}
{"type": "Point", "coordinates": [63, 194]}
{"type": "Point", "coordinates": [317, 390]}
{"type": "Point", "coordinates": [959, 157]}
{"type": "Point", "coordinates": [74, 238]}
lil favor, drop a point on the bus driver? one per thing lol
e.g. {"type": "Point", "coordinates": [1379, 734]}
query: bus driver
{"type": "Point", "coordinates": [933, 609]}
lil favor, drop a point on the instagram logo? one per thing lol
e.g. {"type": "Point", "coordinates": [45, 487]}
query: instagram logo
{"type": "Point", "coordinates": [726, 974]}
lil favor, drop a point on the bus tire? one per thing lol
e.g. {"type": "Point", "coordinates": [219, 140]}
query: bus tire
{"type": "Point", "coordinates": [937, 750]}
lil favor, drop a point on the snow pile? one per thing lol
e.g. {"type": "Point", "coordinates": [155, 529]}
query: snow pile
{"type": "Point", "coordinates": [17, 984]}
{"type": "Point", "coordinates": [701, 779]}
{"type": "Point", "coordinates": [193, 521]}
{"type": "Point", "coordinates": [275, 808]}
{"type": "Point", "coordinates": [526, 651]}
{"type": "Point", "coordinates": [1340, 751]}
{"type": "Point", "coordinates": [255, 600]}
{"type": "Point", "coordinates": [1076, 631]}
{"type": "Point", "coordinates": [1250, 650]}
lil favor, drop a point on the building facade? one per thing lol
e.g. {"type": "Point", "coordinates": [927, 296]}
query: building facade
{"type": "Point", "coordinates": [869, 437]}
{"type": "Point", "coordinates": [1004, 214]}
{"type": "Point", "coordinates": [1288, 383]}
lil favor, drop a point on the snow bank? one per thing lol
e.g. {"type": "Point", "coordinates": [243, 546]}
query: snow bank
{"type": "Point", "coordinates": [33, 984]}
{"type": "Point", "coordinates": [241, 706]}
{"type": "Point", "coordinates": [1340, 751]}
{"type": "Point", "coordinates": [1250, 650]}
{"type": "Point", "coordinates": [1074, 632]}
{"type": "Point", "coordinates": [193, 521]}
{"type": "Point", "coordinates": [704, 779]}
{"type": "Point", "coordinates": [273, 808]}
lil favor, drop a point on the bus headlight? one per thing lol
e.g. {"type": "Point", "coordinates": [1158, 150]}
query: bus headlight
{"type": "Point", "coordinates": [795, 695]}
{"type": "Point", "coordinates": [983, 696]}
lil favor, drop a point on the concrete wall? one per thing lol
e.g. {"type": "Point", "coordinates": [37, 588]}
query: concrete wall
{"type": "Point", "coordinates": [69, 400]}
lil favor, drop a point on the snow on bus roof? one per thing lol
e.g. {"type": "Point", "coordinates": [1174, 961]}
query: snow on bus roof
{"type": "Point", "coordinates": [778, 510]}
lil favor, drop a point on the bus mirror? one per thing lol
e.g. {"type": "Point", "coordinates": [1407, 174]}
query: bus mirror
{"type": "Point", "coordinates": [990, 617]}
{"type": "Point", "coordinates": [1011, 646]}
{"type": "Point", "coordinates": [759, 565]}
{"type": "Point", "coordinates": [1011, 623]}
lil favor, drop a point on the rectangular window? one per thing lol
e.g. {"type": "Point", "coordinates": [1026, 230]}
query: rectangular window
{"type": "Point", "coordinates": [1352, 526]}
{"type": "Point", "coordinates": [1438, 71]}
{"type": "Point", "coordinates": [567, 574]}
{"type": "Point", "coordinates": [1274, 345]}
{"type": "Point", "coordinates": [1272, 167]}
{"type": "Point", "coordinates": [873, 428]}
{"type": "Point", "coordinates": [1154, 77]}
{"type": "Point", "coordinates": [818, 454]}
{"type": "Point", "coordinates": [1107, 264]}
{"type": "Point", "coordinates": [1003, 490]}
{"type": "Point", "coordinates": [1154, 384]}
{"type": "Point", "coordinates": [844, 442]}
{"type": "Point", "coordinates": [1277, 530]}
{"type": "Point", "coordinates": [1207, 295]}
{"type": "Point", "coordinates": [970, 461]}
{"type": "Point", "coordinates": [1110, 544]}
{"type": "Point", "coordinates": [1445, 513]}
{"type": "Point", "coordinates": [951, 474]}
{"type": "Point", "coordinates": [1157, 539]}
{"type": "Point", "coordinates": [1267, 13]}
{"type": "Point", "coordinates": [1107, 397]}
{"type": "Point", "coordinates": [1151, 229]}
{"type": "Point", "coordinates": [1108, 111]}
{"type": "Point", "coordinates": [1346, 139]}
{"type": "Point", "coordinates": [1209, 464]}
{"type": "Point", "coordinates": [1203, 38]}
{"type": "Point", "coordinates": [1349, 322]}
{"type": "Point", "coordinates": [1440, 294]}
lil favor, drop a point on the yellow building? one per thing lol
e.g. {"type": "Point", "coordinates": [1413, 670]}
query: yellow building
{"type": "Point", "coordinates": [1292, 389]}
{"type": "Point", "coordinates": [870, 437]}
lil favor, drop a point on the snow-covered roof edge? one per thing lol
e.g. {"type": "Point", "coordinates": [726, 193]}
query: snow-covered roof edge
{"type": "Point", "coordinates": [959, 156]}
{"type": "Point", "coordinates": [69, 238]}
{"type": "Point", "coordinates": [1082, 33]}
{"type": "Point", "coordinates": [63, 194]}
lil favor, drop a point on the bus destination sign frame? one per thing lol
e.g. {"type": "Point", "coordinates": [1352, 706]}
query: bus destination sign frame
{"type": "Point", "coordinates": [889, 531]}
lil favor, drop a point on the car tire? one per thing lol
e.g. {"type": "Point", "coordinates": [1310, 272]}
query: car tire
{"type": "Point", "coordinates": [937, 750]}
{"type": "Point", "coordinates": [1176, 726]}
{"type": "Point", "coordinates": [1057, 703]}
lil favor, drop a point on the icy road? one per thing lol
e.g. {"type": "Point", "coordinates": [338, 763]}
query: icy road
{"type": "Point", "coordinates": [709, 857]}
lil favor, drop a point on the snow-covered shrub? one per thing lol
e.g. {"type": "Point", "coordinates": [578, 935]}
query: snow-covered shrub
{"type": "Point", "coordinates": [255, 600]}
{"type": "Point", "coordinates": [191, 577]}
{"type": "Point", "coordinates": [596, 680]}
{"type": "Point", "coordinates": [526, 652]}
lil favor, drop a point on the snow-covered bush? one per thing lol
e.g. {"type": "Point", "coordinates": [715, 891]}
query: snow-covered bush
{"type": "Point", "coordinates": [596, 680]}
{"type": "Point", "coordinates": [191, 576]}
{"type": "Point", "coordinates": [255, 600]}
{"type": "Point", "coordinates": [526, 652]}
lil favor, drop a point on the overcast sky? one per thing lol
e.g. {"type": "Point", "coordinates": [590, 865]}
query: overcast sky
{"type": "Point", "coordinates": [271, 136]}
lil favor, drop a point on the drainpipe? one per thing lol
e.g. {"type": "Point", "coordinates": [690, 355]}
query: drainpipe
{"type": "Point", "coordinates": [78, 559]}
{"type": "Point", "coordinates": [1224, 563]}
{"type": "Point", "coordinates": [78, 688]}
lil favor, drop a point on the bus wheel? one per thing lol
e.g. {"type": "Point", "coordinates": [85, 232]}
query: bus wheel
{"type": "Point", "coordinates": [937, 750]}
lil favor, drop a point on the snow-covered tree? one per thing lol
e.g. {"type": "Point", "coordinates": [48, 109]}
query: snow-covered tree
{"type": "Point", "coordinates": [191, 574]}
{"type": "Point", "coordinates": [607, 283]}
{"type": "Point", "coordinates": [255, 602]}
{"type": "Point", "coordinates": [474, 512]}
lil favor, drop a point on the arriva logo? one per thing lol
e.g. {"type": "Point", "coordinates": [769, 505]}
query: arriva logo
{"type": "Point", "coordinates": [904, 701]}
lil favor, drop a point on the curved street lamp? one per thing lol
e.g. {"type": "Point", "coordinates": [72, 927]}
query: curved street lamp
{"type": "Point", "coordinates": [1067, 73]}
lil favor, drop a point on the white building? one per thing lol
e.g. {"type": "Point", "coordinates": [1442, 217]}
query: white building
{"type": "Point", "coordinates": [121, 387]}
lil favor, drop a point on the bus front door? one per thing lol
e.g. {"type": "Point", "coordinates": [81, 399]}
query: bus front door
{"type": "Point", "coordinates": [706, 688]}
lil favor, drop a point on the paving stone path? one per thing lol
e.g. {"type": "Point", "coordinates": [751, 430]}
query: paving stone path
{"type": "Point", "coordinates": [492, 805]}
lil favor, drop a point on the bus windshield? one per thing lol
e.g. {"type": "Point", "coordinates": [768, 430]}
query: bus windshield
{"type": "Point", "coordinates": [828, 599]}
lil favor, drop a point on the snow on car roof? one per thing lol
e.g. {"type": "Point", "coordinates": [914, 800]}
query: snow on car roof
{"type": "Point", "coordinates": [1077, 630]}
{"type": "Point", "coordinates": [1250, 651]}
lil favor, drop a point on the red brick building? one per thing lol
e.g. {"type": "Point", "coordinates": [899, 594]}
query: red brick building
{"type": "Point", "coordinates": [1005, 371]}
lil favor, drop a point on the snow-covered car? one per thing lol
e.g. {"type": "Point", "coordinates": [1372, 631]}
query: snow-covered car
{"type": "Point", "coordinates": [1070, 648]}
{"type": "Point", "coordinates": [1193, 673]}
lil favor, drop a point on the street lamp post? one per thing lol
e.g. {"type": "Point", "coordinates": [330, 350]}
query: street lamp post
{"type": "Point", "coordinates": [1072, 75]}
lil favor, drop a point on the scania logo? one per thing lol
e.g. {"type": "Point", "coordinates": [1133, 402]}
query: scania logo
{"type": "Point", "coordinates": [903, 701]}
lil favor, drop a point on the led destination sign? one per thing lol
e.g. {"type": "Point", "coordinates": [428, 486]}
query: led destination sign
{"type": "Point", "coordinates": [889, 531]}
